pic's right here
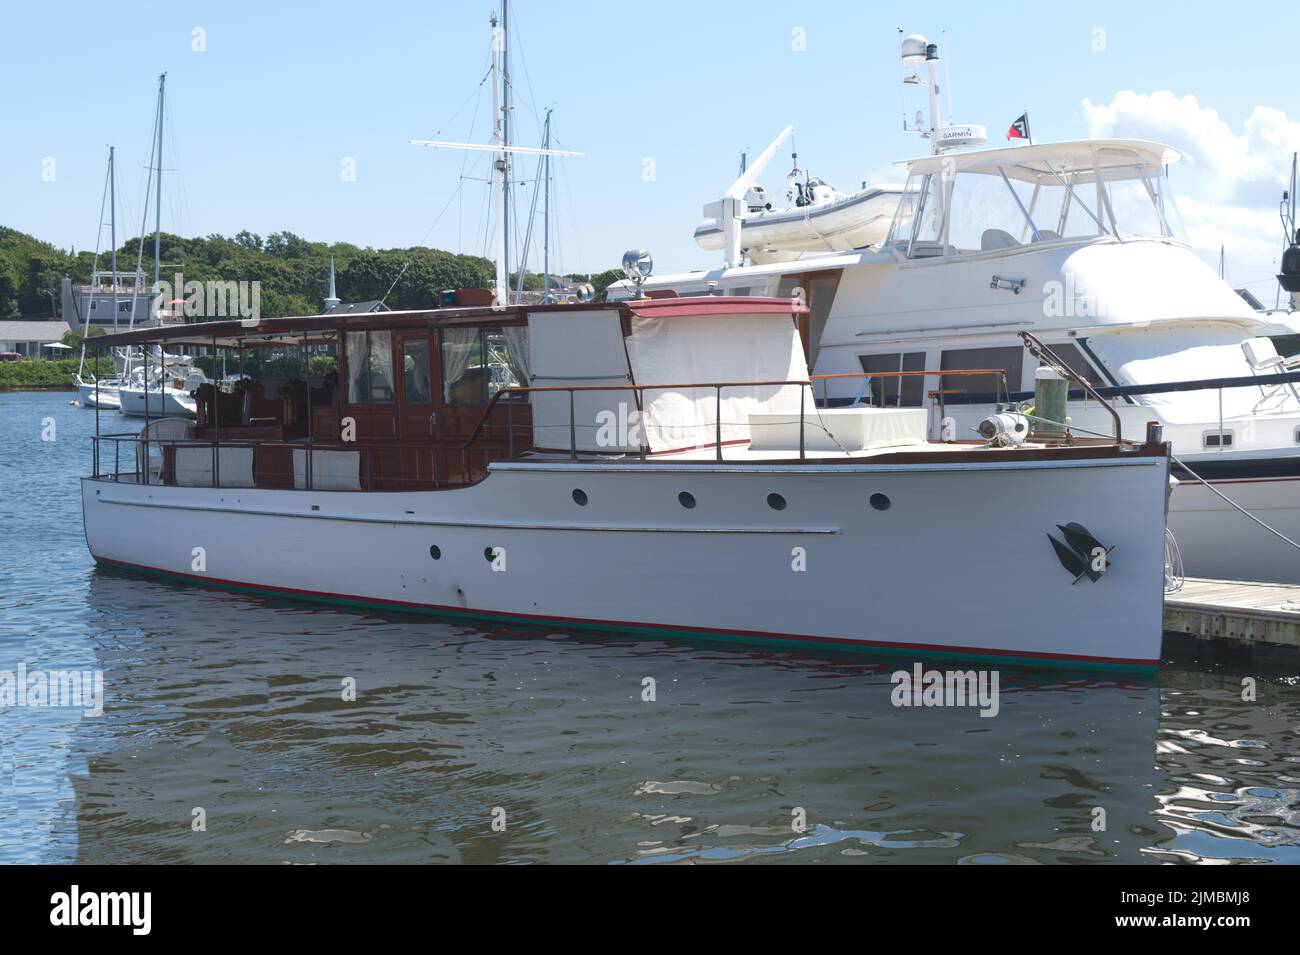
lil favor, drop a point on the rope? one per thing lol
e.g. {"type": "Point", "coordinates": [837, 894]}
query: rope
{"type": "Point", "coordinates": [1276, 533]}
{"type": "Point", "coordinates": [1173, 457]}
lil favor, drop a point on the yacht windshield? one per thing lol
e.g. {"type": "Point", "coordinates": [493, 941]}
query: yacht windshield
{"type": "Point", "coordinates": [968, 204]}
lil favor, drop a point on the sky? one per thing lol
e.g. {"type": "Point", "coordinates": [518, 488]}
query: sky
{"type": "Point", "coordinates": [288, 116]}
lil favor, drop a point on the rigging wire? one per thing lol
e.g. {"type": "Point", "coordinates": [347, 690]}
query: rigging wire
{"type": "Point", "coordinates": [1173, 457]}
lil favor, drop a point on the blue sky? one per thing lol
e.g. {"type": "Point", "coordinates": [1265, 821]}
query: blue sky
{"type": "Point", "coordinates": [262, 120]}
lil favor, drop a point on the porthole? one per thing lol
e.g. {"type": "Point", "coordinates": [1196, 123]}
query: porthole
{"type": "Point", "coordinates": [879, 501]}
{"type": "Point", "coordinates": [435, 552]}
{"type": "Point", "coordinates": [776, 502]}
{"type": "Point", "coordinates": [686, 499]}
{"type": "Point", "coordinates": [579, 497]}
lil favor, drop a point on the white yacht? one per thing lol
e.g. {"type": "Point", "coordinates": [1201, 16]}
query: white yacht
{"type": "Point", "coordinates": [666, 472]}
{"type": "Point", "coordinates": [658, 467]}
{"type": "Point", "coordinates": [1080, 244]}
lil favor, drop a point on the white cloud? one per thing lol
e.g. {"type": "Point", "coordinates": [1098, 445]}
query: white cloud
{"type": "Point", "coordinates": [1229, 189]}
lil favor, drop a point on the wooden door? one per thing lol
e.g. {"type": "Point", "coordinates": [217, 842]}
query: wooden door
{"type": "Point", "coordinates": [417, 406]}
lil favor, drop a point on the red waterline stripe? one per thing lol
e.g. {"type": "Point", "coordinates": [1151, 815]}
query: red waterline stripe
{"type": "Point", "coordinates": [627, 624]}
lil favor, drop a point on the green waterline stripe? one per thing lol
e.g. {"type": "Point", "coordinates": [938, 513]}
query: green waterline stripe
{"type": "Point", "coordinates": [482, 616]}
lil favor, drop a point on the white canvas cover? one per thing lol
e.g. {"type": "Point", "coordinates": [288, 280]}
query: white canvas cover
{"type": "Point", "coordinates": [194, 467]}
{"type": "Point", "coordinates": [330, 470]}
{"type": "Point", "coordinates": [690, 349]}
{"type": "Point", "coordinates": [580, 348]}
{"type": "Point", "coordinates": [840, 429]}
{"type": "Point", "coordinates": [1190, 353]}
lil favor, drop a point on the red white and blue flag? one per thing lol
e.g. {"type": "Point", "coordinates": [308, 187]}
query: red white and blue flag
{"type": "Point", "coordinates": [1020, 128]}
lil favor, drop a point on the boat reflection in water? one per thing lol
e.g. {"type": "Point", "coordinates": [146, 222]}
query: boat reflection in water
{"type": "Point", "coordinates": [233, 704]}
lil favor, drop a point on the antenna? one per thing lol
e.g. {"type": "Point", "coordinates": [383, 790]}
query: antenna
{"type": "Point", "coordinates": [915, 50]}
{"type": "Point", "coordinates": [902, 93]}
{"type": "Point", "coordinates": [406, 265]}
{"type": "Point", "coordinates": [947, 76]}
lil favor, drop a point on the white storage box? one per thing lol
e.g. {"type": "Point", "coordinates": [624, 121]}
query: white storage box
{"type": "Point", "coordinates": [835, 429]}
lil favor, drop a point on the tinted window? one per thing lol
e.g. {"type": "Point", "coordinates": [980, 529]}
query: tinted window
{"type": "Point", "coordinates": [1010, 359]}
{"type": "Point", "coordinates": [896, 391]}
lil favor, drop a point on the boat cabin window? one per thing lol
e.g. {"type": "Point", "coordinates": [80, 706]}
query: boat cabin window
{"type": "Point", "coordinates": [477, 362]}
{"type": "Point", "coordinates": [415, 372]}
{"type": "Point", "coordinates": [1009, 358]}
{"type": "Point", "coordinates": [369, 359]}
{"type": "Point", "coordinates": [902, 391]}
{"type": "Point", "coordinates": [972, 204]}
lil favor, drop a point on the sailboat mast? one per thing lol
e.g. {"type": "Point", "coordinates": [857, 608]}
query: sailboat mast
{"type": "Point", "coordinates": [157, 199]}
{"type": "Point", "coordinates": [112, 225]}
{"type": "Point", "coordinates": [505, 140]}
{"type": "Point", "coordinates": [94, 269]}
{"type": "Point", "coordinates": [546, 216]}
{"type": "Point", "coordinates": [501, 148]}
{"type": "Point", "coordinates": [499, 167]}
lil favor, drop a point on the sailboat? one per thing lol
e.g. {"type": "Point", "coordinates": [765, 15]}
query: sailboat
{"type": "Point", "coordinates": [163, 389]}
{"type": "Point", "coordinates": [101, 393]}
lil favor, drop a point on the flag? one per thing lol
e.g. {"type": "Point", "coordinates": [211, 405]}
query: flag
{"type": "Point", "coordinates": [1020, 128]}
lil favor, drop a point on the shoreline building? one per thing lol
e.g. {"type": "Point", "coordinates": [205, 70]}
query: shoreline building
{"type": "Point", "coordinates": [27, 337]}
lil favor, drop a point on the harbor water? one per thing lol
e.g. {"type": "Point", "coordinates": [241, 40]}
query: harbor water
{"type": "Point", "coordinates": [228, 733]}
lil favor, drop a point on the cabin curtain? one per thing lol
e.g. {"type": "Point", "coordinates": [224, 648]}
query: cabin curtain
{"type": "Point", "coordinates": [517, 353]}
{"type": "Point", "coordinates": [458, 347]}
{"type": "Point", "coordinates": [358, 364]}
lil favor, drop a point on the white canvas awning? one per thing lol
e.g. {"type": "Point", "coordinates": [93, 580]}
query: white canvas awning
{"type": "Point", "coordinates": [750, 346]}
{"type": "Point", "coordinates": [706, 350]}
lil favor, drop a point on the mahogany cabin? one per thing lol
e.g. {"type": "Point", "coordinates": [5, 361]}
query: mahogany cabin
{"type": "Point", "coordinates": [414, 390]}
{"type": "Point", "coordinates": [426, 400]}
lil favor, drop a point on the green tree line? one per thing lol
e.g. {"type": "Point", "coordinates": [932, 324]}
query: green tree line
{"type": "Point", "coordinates": [293, 271]}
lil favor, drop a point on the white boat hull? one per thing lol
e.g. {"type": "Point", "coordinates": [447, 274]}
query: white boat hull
{"type": "Point", "coordinates": [958, 564]}
{"type": "Point", "coordinates": [1217, 540]}
{"type": "Point", "coordinates": [104, 397]}
{"type": "Point", "coordinates": [1214, 538]}
{"type": "Point", "coordinates": [170, 402]}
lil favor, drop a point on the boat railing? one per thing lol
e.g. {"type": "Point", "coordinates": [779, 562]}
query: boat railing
{"type": "Point", "coordinates": [1050, 359]}
{"type": "Point", "coordinates": [301, 464]}
{"type": "Point", "coordinates": [806, 387]}
{"type": "Point", "coordinates": [415, 465]}
{"type": "Point", "coordinates": [1270, 386]}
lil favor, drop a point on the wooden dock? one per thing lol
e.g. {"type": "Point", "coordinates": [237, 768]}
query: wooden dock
{"type": "Point", "coordinates": [1236, 611]}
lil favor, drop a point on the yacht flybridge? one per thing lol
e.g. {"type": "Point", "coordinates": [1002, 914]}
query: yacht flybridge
{"type": "Point", "coordinates": [654, 466]}
{"type": "Point", "coordinates": [1080, 244]}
